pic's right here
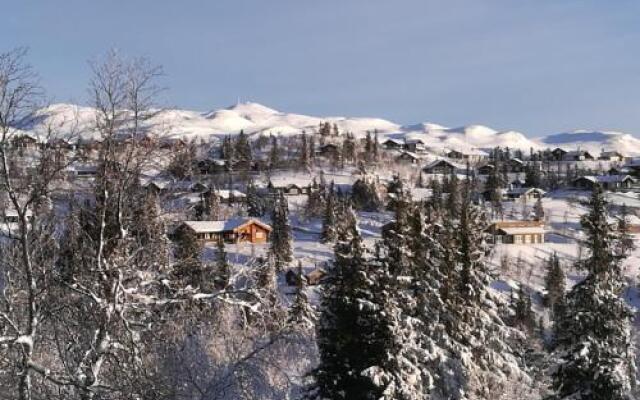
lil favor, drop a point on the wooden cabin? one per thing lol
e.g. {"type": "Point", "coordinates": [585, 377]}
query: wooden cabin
{"type": "Point", "coordinates": [558, 154]}
{"type": "Point", "coordinates": [235, 230]}
{"type": "Point", "coordinates": [515, 165]}
{"type": "Point", "coordinates": [408, 157]}
{"type": "Point", "coordinates": [608, 182]}
{"type": "Point", "coordinates": [578, 155]}
{"type": "Point", "coordinates": [393, 144]}
{"type": "Point", "coordinates": [486, 169]}
{"type": "Point", "coordinates": [329, 150]}
{"type": "Point", "coordinates": [611, 156]}
{"type": "Point", "coordinates": [441, 167]}
{"type": "Point", "coordinates": [523, 193]}
{"type": "Point", "coordinates": [517, 232]}
{"type": "Point", "coordinates": [470, 156]}
{"type": "Point", "coordinates": [414, 145]}
{"type": "Point", "coordinates": [24, 141]}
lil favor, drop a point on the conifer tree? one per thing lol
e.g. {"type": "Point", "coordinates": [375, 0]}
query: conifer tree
{"type": "Point", "coordinates": [223, 269]}
{"type": "Point", "coordinates": [626, 240]}
{"type": "Point", "coordinates": [593, 330]}
{"type": "Point", "coordinates": [281, 235]}
{"type": "Point", "coordinates": [255, 203]}
{"type": "Point", "coordinates": [315, 205]}
{"type": "Point", "coordinates": [538, 210]}
{"type": "Point", "coordinates": [274, 153]}
{"type": "Point", "coordinates": [243, 149]}
{"type": "Point", "coordinates": [188, 251]}
{"type": "Point", "coordinates": [375, 152]}
{"type": "Point", "coordinates": [302, 316]}
{"type": "Point", "coordinates": [305, 160]}
{"type": "Point", "coordinates": [329, 221]}
{"type": "Point", "coordinates": [524, 317]}
{"type": "Point", "coordinates": [346, 331]}
{"type": "Point", "coordinates": [555, 284]}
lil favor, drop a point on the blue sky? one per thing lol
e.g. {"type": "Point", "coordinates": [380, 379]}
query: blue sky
{"type": "Point", "coordinates": [539, 66]}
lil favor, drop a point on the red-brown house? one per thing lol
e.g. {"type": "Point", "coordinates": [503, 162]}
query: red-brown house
{"type": "Point", "coordinates": [235, 230]}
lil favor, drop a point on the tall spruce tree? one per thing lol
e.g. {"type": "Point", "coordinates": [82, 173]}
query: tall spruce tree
{"type": "Point", "coordinates": [329, 221]}
{"type": "Point", "coordinates": [555, 284]}
{"type": "Point", "coordinates": [349, 342]}
{"type": "Point", "coordinates": [223, 269]}
{"type": "Point", "coordinates": [302, 316]}
{"type": "Point", "coordinates": [593, 331]}
{"type": "Point", "coordinates": [281, 235]}
{"type": "Point", "coordinates": [255, 203]}
{"type": "Point", "coordinates": [625, 244]}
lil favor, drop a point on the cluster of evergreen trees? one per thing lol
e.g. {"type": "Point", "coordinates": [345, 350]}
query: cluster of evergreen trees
{"type": "Point", "coordinates": [413, 316]}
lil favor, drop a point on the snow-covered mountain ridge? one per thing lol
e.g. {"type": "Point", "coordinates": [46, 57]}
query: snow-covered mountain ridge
{"type": "Point", "coordinates": [255, 118]}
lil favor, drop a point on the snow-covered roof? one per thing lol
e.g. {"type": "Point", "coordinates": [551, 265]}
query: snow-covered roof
{"type": "Point", "coordinates": [226, 194]}
{"type": "Point", "coordinates": [525, 191]}
{"type": "Point", "coordinates": [399, 142]}
{"type": "Point", "coordinates": [611, 154]}
{"type": "Point", "coordinates": [436, 162]}
{"type": "Point", "coordinates": [523, 230]}
{"type": "Point", "coordinates": [577, 153]}
{"type": "Point", "coordinates": [606, 178]}
{"type": "Point", "coordinates": [223, 226]}
{"type": "Point", "coordinates": [409, 154]}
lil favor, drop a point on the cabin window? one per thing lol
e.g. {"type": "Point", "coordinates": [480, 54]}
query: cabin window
{"type": "Point", "coordinates": [259, 235]}
{"type": "Point", "coordinates": [517, 239]}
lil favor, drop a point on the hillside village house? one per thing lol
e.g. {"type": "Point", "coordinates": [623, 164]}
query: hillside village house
{"type": "Point", "coordinates": [235, 230]}
{"type": "Point", "coordinates": [470, 156]}
{"type": "Point", "coordinates": [443, 167]}
{"type": "Point", "coordinates": [408, 157]}
{"type": "Point", "coordinates": [611, 156]}
{"type": "Point", "coordinates": [578, 155]}
{"type": "Point", "coordinates": [523, 193]}
{"type": "Point", "coordinates": [414, 145]}
{"type": "Point", "coordinates": [291, 189]}
{"type": "Point", "coordinates": [393, 144]}
{"type": "Point", "coordinates": [329, 150]}
{"type": "Point", "coordinates": [515, 165]}
{"type": "Point", "coordinates": [608, 182]}
{"type": "Point", "coordinates": [24, 141]}
{"type": "Point", "coordinates": [558, 154]}
{"type": "Point", "coordinates": [486, 169]}
{"type": "Point", "coordinates": [517, 232]}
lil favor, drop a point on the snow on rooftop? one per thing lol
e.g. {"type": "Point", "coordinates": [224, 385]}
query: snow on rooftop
{"type": "Point", "coordinates": [221, 226]}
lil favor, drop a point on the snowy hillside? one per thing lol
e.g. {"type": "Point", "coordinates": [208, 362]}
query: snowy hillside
{"type": "Point", "coordinates": [594, 141]}
{"type": "Point", "coordinates": [255, 118]}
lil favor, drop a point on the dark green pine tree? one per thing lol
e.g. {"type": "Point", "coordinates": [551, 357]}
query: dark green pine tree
{"type": "Point", "coordinates": [348, 339]}
{"type": "Point", "coordinates": [281, 235]}
{"type": "Point", "coordinates": [189, 266]}
{"type": "Point", "coordinates": [223, 269]}
{"type": "Point", "coordinates": [533, 176]}
{"type": "Point", "coordinates": [304, 161]}
{"type": "Point", "coordinates": [243, 150]}
{"type": "Point", "coordinates": [302, 316]}
{"type": "Point", "coordinates": [255, 203]}
{"type": "Point", "coordinates": [329, 234]}
{"type": "Point", "coordinates": [625, 244]}
{"type": "Point", "coordinates": [524, 318]}
{"type": "Point", "coordinates": [555, 284]}
{"type": "Point", "coordinates": [274, 153]}
{"type": "Point", "coordinates": [593, 328]}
